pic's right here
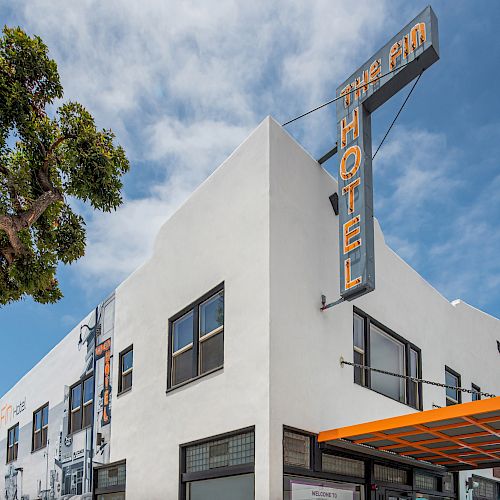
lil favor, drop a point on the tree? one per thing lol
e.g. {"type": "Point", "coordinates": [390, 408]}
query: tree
{"type": "Point", "coordinates": [45, 158]}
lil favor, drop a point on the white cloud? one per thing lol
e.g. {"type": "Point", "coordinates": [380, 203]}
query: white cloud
{"type": "Point", "coordinates": [448, 238]}
{"type": "Point", "coordinates": [182, 83]}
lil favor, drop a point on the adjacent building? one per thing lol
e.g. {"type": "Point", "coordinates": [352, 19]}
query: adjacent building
{"type": "Point", "coordinates": [212, 373]}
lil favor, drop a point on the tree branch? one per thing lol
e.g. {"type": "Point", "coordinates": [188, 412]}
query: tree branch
{"type": "Point", "coordinates": [12, 224]}
{"type": "Point", "coordinates": [28, 218]}
{"type": "Point", "coordinates": [43, 173]}
{"type": "Point", "coordinates": [11, 186]}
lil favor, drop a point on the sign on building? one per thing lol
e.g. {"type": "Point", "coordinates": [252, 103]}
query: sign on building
{"type": "Point", "coordinates": [410, 52]}
{"type": "Point", "coordinates": [310, 491]}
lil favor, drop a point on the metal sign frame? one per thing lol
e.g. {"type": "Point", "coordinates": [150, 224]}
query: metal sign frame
{"type": "Point", "coordinates": [407, 54]}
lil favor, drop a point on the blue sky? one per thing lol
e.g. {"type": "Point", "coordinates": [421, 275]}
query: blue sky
{"type": "Point", "coordinates": [183, 83]}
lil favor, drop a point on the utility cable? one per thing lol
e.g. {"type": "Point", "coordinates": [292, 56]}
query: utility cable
{"type": "Point", "coordinates": [397, 114]}
{"type": "Point", "coordinates": [347, 93]}
{"type": "Point", "coordinates": [415, 379]}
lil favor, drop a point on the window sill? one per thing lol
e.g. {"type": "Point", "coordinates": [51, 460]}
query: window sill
{"type": "Point", "coordinates": [39, 449]}
{"type": "Point", "coordinates": [72, 433]}
{"type": "Point", "coordinates": [194, 379]}
{"type": "Point", "coordinates": [125, 391]}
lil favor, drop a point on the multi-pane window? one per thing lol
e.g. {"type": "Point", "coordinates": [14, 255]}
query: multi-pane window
{"type": "Point", "coordinates": [40, 427]}
{"type": "Point", "coordinates": [476, 392]}
{"type": "Point", "coordinates": [297, 449]}
{"type": "Point", "coordinates": [12, 443]}
{"type": "Point", "coordinates": [452, 380]}
{"type": "Point", "coordinates": [197, 339]}
{"type": "Point", "coordinates": [377, 347]}
{"type": "Point", "coordinates": [342, 465]}
{"type": "Point", "coordinates": [390, 474]}
{"type": "Point", "coordinates": [359, 349]}
{"type": "Point", "coordinates": [219, 468]}
{"type": "Point", "coordinates": [81, 403]}
{"type": "Point", "coordinates": [126, 367]}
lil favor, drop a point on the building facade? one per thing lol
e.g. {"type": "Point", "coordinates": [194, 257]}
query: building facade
{"type": "Point", "coordinates": [211, 371]}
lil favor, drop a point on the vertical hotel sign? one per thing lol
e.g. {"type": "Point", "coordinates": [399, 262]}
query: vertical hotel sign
{"type": "Point", "coordinates": [410, 52]}
{"type": "Point", "coordinates": [104, 350]}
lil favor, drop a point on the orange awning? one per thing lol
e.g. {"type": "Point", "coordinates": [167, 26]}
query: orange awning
{"type": "Point", "coordinates": [465, 436]}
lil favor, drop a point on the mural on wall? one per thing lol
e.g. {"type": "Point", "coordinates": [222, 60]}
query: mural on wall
{"type": "Point", "coordinates": [11, 483]}
{"type": "Point", "coordinates": [64, 469]}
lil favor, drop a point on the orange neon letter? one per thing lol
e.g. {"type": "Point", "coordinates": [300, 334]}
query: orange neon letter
{"type": "Point", "coordinates": [349, 234]}
{"type": "Point", "coordinates": [406, 46]}
{"type": "Point", "coordinates": [350, 189]}
{"type": "Point", "coordinates": [362, 85]}
{"type": "Point", "coordinates": [348, 282]}
{"type": "Point", "coordinates": [416, 41]}
{"type": "Point", "coordinates": [353, 150]}
{"type": "Point", "coordinates": [345, 128]}
{"type": "Point", "coordinates": [394, 53]}
{"type": "Point", "coordinates": [346, 91]}
{"type": "Point", "coordinates": [375, 69]}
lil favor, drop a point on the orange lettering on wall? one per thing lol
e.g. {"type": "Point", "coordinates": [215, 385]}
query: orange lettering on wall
{"type": "Point", "coordinates": [349, 234]}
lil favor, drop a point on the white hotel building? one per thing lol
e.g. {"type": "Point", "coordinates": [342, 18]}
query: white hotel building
{"type": "Point", "coordinates": [212, 373]}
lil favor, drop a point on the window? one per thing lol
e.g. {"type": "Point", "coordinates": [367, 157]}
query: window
{"type": "Point", "coordinates": [390, 474]}
{"type": "Point", "coordinates": [342, 465]}
{"type": "Point", "coordinates": [221, 468]}
{"type": "Point", "coordinates": [296, 449]}
{"type": "Point", "coordinates": [378, 347]}
{"type": "Point", "coordinates": [126, 367]}
{"type": "Point", "coordinates": [196, 339]}
{"type": "Point", "coordinates": [12, 443]}
{"type": "Point", "coordinates": [486, 489]}
{"type": "Point", "coordinates": [40, 427]}
{"type": "Point", "coordinates": [476, 392]}
{"type": "Point", "coordinates": [452, 379]}
{"type": "Point", "coordinates": [426, 482]}
{"type": "Point", "coordinates": [110, 480]}
{"type": "Point", "coordinates": [81, 403]}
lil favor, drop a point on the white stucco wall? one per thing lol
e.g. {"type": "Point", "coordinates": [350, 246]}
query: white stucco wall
{"type": "Point", "coordinates": [220, 234]}
{"type": "Point", "coordinates": [45, 382]}
{"type": "Point", "coordinates": [309, 389]}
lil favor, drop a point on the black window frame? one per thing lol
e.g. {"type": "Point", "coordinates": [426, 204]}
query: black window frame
{"type": "Point", "coordinates": [216, 473]}
{"type": "Point", "coordinates": [122, 374]}
{"type": "Point", "coordinates": [476, 392]}
{"type": "Point", "coordinates": [118, 488]}
{"type": "Point", "coordinates": [367, 481]}
{"type": "Point", "coordinates": [81, 382]}
{"type": "Point", "coordinates": [451, 401]}
{"type": "Point", "coordinates": [196, 340]}
{"type": "Point", "coordinates": [369, 320]}
{"type": "Point", "coordinates": [15, 445]}
{"type": "Point", "coordinates": [46, 427]}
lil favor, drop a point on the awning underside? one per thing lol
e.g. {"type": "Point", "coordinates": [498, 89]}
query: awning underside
{"type": "Point", "coordinates": [465, 435]}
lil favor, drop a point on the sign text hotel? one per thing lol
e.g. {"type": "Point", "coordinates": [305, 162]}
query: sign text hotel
{"type": "Point", "coordinates": [410, 52]}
